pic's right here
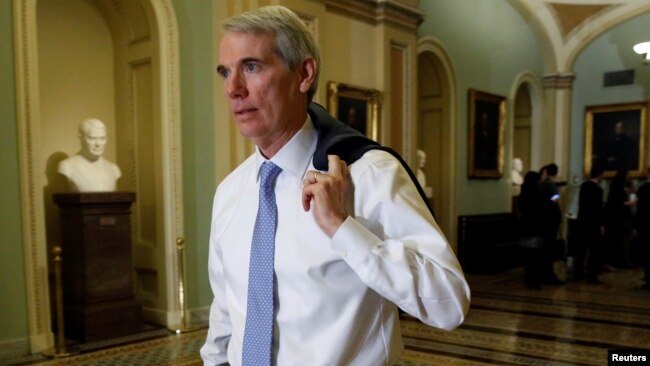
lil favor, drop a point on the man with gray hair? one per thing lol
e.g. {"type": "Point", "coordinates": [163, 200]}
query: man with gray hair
{"type": "Point", "coordinates": [88, 171]}
{"type": "Point", "coordinates": [320, 235]}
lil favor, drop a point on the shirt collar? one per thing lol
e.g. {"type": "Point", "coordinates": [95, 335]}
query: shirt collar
{"type": "Point", "coordinates": [294, 157]}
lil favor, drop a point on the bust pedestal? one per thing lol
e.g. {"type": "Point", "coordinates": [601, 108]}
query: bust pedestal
{"type": "Point", "coordinates": [99, 301]}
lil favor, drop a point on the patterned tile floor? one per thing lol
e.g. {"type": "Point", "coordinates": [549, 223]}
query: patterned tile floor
{"type": "Point", "coordinates": [508, 324]}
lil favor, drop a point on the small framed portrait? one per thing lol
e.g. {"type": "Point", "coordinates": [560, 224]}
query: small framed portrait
{"type": "Point", "coordinates": [615, 138]}
{"type": "Point", "coordinates": [358, 107]}
{"type": "Point", "coordinates": [486, 121]}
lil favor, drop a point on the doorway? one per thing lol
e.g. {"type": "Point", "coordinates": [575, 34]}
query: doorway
{"type": "Point", "coordinates": [436, 131]}
{"type": "Point", "coordinates": [522, 135]}
{"type": "Point", "coordinates": [137, 75]}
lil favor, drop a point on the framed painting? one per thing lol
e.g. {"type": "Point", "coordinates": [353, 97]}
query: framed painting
{"type": "Point", "coordinates": [616, 137]}
{"type": "Point", "coordinates": [486, 123]}
{"type": "Point", "coordinates": [358, 107]}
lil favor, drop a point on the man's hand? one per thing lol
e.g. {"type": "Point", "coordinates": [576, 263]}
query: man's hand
{"type": "Point", "coordinates": [327, 194]}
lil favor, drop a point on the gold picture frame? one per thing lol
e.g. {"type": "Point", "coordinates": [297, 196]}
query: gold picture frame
{"type": "Point", "coordinates": [356, 106]}
{"type": "Point", "coordinates": [486, 126]}
{"type": "Point", "coordinates": [616, 137]}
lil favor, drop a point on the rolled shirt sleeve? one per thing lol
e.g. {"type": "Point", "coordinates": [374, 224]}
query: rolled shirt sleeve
{"type": "Point", "coordinates": [397, 249]}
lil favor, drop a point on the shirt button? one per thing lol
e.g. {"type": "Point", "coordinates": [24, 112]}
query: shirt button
{"type": "Point", "coordinates": [344, 253]}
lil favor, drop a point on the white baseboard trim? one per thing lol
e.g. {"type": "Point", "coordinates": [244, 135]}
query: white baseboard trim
{"type": "Point", "coordinates": [197, 317]}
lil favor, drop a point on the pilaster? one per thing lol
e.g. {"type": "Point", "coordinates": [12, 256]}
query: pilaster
{"type": "Point", "coordinates": [555, 131]}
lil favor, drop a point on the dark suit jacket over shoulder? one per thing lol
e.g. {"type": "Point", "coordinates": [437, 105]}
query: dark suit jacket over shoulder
{"type": "Point", "coordinates": [337, 138]}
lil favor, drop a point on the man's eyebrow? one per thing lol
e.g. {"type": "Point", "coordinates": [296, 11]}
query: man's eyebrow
{"type": "Point", "coordinates": [246, 60]}
{"type": "Point", "coordinates": [243, 61]}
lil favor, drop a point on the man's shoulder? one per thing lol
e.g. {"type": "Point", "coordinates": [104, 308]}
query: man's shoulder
{"type": "Point", "coordinates": [374, 160]}
{"type": "Point", "coordinates": [591, 185]}
{"type": "Point", "coordinates": [376, 157]}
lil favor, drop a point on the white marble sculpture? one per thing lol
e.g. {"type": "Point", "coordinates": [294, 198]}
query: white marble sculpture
{"type": "Point", "coordinates": [516, 178]}
{"type": "Point", "coordinates": [419, 174]}
{"type": "Point", "coordinates": [88, 171]}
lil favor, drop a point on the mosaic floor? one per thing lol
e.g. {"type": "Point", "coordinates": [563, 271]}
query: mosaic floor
{"type": "Point", "coordinates": [571, 324]}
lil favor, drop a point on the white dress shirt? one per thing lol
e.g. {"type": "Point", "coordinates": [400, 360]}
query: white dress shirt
{"type": "Point", "coordinates": [335, 298]}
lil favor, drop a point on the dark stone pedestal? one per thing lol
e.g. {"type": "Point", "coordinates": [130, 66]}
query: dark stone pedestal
{"type": "Point", "coordinates": [99, 301]}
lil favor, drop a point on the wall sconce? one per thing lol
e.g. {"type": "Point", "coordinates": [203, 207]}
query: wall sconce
{"type": "Point", "coordinates": [643, 49]}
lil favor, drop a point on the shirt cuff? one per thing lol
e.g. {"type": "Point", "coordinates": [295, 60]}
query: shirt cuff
{"type": "Point", "coordinates": [353, 241]}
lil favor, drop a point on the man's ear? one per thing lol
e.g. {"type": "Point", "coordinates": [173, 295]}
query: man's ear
{"type": "Point", "coordinates": [307, 73]}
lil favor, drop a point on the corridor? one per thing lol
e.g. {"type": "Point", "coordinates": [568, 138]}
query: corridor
{"type": "Point", "coordinates": [508, 324]}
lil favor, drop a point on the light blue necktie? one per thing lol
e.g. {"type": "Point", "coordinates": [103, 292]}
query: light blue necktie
{"type": "Point", "coordinates": [258, 334]}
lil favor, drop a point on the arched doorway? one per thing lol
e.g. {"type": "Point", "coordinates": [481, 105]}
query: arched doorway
{"type": "Point", "coordinates": [437, 130]}
{"type": "Point", "coordinates": [137, 42]}
{"type": "Point", "coordinates": [524, 131]}
{"type": "Point", "coordinates": [522, 135]}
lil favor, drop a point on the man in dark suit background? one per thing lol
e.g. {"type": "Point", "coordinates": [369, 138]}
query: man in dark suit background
{"type": "Point", "coordinates": [591, 227]}
{"type": "Point", "coordinates": [641, 222]}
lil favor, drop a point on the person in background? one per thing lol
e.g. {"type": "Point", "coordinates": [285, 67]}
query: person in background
{"type": "Point", "coordinates": [642, 225]}
{"type": "Point", "coordinates": [591, 228]}
{"type": "Point", "coordinates": [536, 225]}
{"type": "Point", "coordinates": [547, 184]}
{"type": "Point", "coordinates": [549, 190]}
{"type": "Point", "coordinates": [314, 270]}
{"type": "Point", "coordinates": [618, 222]}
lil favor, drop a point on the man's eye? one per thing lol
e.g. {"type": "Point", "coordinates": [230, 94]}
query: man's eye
{"type": "Point", "coordinates": [251, 67]}
{"type": "Point", "coordinates": [223, 73]}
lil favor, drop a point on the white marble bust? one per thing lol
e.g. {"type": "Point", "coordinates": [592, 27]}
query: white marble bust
{"type": "Point", "coordinates": [516, 178]}
{"type": "Point", "coordinates": [419, 174]}
{"type": "Point", "coordinates": [422, 159]}
{"type": "Point", "coordinates": [88, 171]}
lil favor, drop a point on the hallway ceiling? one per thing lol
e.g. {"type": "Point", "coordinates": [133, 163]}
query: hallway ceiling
{"type": "Point", "coordinates": [567, 26]}
{"type": "Point", "coordinates": [569, 15]}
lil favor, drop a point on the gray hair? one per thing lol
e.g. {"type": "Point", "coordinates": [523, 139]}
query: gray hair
{"type": "Point", "coordinates": [294, 41]}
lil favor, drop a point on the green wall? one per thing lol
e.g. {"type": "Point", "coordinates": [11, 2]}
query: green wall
{"type": "Point", "coordinates": [13, 321]}
{"type": "Point", "coordinates": [197, 52]}
{"type": "Point", "coordinates": [611, 51]}
{"type": "Point", "coordinates": [490, 45]}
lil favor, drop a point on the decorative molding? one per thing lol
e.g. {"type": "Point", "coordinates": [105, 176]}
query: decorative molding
{"type": "Point", "coordinates": [380, 11]}
{"type": "Point", "coordinates": [535, 90]}
{"type": "Point", "coordinates": [30, 160]}
{"type": "Point", "coordinates": [171, 149]}
{"type": "Point", "coordinates": [558, 81]}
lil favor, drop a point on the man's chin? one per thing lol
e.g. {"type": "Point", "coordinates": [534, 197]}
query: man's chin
{"type": "Point", "coordinates": [249, 129]}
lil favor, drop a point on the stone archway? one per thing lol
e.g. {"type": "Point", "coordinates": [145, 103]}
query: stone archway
{"type": "Point", "coordinates": [437, 115]}
{"type": "Point", "coordinates": [163, 91]}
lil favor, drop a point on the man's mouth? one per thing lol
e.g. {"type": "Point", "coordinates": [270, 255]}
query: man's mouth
{"type": "Point", "coordinates": [243, 112]}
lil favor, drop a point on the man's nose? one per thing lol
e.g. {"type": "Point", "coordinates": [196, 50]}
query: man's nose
{"type": "Point", "coordinates": [235, 86]}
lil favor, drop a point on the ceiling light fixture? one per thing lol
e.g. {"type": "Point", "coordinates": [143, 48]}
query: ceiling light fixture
{"type": "Point", "coordinates": [643, 49]}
